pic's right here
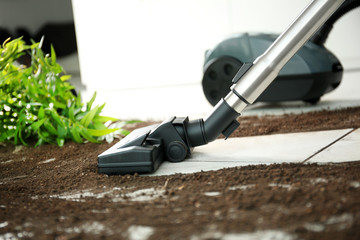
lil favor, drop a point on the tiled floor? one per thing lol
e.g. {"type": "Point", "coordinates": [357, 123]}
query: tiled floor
{"type": "Point", "coordinates": [188, 100]}
{"type": "Point", "coordinates": [344, 150]}
{"type": "Point", "coordinates": [323, 146]}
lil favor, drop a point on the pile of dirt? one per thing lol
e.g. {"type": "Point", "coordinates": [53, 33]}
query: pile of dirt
{"type": "Point", "coordinates": [291, 123]}
{"type": "Point", "coordinates": [56, 193]}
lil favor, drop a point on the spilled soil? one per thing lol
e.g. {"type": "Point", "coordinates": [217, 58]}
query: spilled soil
{"type": "Point", "coordinates": [56, 193]}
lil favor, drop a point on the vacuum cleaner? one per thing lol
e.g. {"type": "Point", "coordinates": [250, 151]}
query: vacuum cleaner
{"type": "Point", "coordinates": [144, 149]}
{"type": "Point", "coordinates": [307, 76]}
{"type": "Point", "coordinates": [312, 72]}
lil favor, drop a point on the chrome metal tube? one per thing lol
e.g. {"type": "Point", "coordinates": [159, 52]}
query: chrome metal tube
{"type": "Point", "coordinates": [267, 66]}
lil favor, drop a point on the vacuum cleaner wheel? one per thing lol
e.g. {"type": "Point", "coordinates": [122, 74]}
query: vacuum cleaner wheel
{"type": "Point", "coordinates": [218, 76]}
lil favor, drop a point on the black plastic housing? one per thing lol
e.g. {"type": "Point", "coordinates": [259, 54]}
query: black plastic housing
{"type": "Point", "coordinates": [135, 153]}
{"type": "Point", "coordinates": [144, 149]}
{"type": "Point", "coordinates": [311, 73]}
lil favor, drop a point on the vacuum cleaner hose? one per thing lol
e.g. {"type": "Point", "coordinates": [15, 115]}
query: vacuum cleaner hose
{"type": "Point", "coordinates": [321, 36]}
{"type": "Point", "coordinates": [223, 117]}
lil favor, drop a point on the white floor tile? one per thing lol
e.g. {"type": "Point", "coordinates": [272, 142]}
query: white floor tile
{"type": "Point", "coordinates": [345, 150]}
{"type": "Point", "coordinates": [168, 168]}
{"type": "Point", "coordinates": [278, 148]}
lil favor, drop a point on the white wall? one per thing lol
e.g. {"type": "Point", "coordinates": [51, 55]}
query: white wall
{"type": "Point", "coordinates": [147, 43]}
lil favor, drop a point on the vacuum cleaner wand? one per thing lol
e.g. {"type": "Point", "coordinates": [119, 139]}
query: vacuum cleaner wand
{"type": "Point", "coordinates": [145, 149]}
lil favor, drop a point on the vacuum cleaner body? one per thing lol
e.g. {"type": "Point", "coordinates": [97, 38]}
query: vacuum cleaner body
{"type": "Point", "coordinates": [309, 74]}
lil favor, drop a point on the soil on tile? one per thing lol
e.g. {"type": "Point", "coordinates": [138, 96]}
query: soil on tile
{"type": "Point", "coordinates": [56, 193]}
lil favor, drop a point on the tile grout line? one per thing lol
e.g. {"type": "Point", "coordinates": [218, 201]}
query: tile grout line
{"type": "Point", "coordinates": [329, 145]}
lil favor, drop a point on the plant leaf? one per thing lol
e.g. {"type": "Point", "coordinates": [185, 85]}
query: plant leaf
{"type": "Point", "coordinates": [65, 77]}
{"type": "Point", "coordinates": [36, 125]}
{"type": "Point", "coordinates": [102, 132]}
{"type": "Point", "coordinates": [56, 117]}
{"type": "Point", "coordinates": [75, 132]}
{"type": "Point", "coordinates": [89, 117]}
{"type": "Point", "coordinates": [60, 141]}
{"type": "Point", "coordinates": [78, 101]}
{"type": "Point", "coordinates": [90, 103]}
{"type": "Point", "coordinates": [58, 104]}
{"type": "Point", "coordinates": [71, 112]}
{"type": "Point", "coordinates": [53, 55]}
{"type": "Point", "coordinates": [103, 119]}
{"type": "Point", "coordinates": [61, 131]}
{"type": "Point", "coordinates": [50, 127]}
{"type": "Point", "coordinates": [87, 136]}
{"type": "Point", "coordinates": [39, 142]}
{"type": "Point", "coordinates": [41, 113]}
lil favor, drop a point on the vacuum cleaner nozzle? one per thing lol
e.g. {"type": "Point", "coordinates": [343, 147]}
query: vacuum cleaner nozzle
{"type": "Point", "coordinates": [144, 149]}
{"type": "Point", "coordinates": [135, 153]}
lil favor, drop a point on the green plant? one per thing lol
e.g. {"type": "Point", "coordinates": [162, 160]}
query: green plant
{"type": "Point", "coordinates": [36, 101]}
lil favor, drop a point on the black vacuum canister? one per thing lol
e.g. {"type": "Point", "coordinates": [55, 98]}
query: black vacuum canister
{"type": "Point", "coordinates": [311, 73]}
